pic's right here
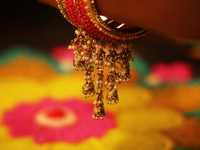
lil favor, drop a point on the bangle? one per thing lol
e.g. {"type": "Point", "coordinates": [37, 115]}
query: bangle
{"type": "Point", "coordinates": [87, 21]}
{"type": "Point", "coordinates": [62, 7]}
{"type": "Point", "coordinates": [89, 48]}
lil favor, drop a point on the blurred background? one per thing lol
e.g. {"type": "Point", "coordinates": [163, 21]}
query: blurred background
{"type": "Point", "coordinates": [41, 106]}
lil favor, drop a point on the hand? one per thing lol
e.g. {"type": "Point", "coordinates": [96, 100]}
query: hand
{"type": "Point", "coordinates": [175, 18]}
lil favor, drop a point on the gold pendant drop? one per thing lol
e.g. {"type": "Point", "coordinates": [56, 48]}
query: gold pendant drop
{"type": "Point", "coordinates": [88, 50]}
{"type": "Point", "coordinates": [90, 53]}
{"type": "Point", "coordinates": [124, 58]}
{"type": "Point", "coordinates": [111, 59]}
{"type": "Point", "coordinates": [99, 62]}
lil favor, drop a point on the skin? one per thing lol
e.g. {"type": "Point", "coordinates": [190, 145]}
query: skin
{"type": "Point", "coordinates": [173, 18]}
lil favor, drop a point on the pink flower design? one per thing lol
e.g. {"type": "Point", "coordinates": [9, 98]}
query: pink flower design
{"type": "Point", "coordinates": [62, 52]}
{"type": "Point", "coordinates": [175, 72]}
{"type": "Point", "coordinates": [64, 56]}
{"type": "Point", "coordinates": [52, 121]}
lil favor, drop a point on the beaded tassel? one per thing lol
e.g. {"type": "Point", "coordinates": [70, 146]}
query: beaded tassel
{"type": "Point", "coordinates": [90, 52]}
{"type": "Point", "coordinates": [99, 105]}
{"type": "Point", "coordinates": [79, 59]}
{"type": "Point", "coordinates": [124, 58]}
{"type": "Point", "coordinates": [112, 57]}
{"type": "Point", "coordinates": [88, 87]}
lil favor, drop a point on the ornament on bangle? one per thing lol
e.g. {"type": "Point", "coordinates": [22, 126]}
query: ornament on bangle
{"type": "Point", "coordinates": [89, 48]}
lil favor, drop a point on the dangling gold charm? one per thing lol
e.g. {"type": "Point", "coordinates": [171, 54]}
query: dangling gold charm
{"type": "Point", "coordinates": [111, 60]}
{"type": "Point", "coordinates": [99, 105]}
{"type": "Point", "coordinates": [88, 87]}
{"type": "Point", "coordinates": [89, 52]}
{"type": "Point", "coordinates": [99, 59]}
{"type": "Point", "coordinates": [124, 58]}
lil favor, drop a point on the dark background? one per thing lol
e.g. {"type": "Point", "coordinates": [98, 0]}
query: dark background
{"type": "Point", "coordinates": [28, 22]}
{"type": "Point", "coordinates": [31, 23]}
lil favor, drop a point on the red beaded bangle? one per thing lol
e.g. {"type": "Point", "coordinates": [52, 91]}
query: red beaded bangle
{"type": "Point", "coordinates": [83, 14]}
{"type": "Point", "coordinates": [62, 7]}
